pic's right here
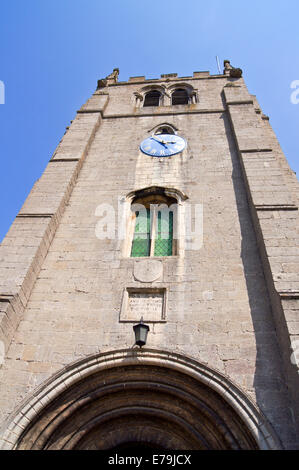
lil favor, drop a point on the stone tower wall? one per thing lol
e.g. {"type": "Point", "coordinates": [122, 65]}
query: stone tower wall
{"type": "Point", "coordinates": [230, 304]}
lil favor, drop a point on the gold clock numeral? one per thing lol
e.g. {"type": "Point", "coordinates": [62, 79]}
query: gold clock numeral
{"type": "Point", "coordinates": [162, 152]}
{"type": "Point", "coordinates": [147, 148]}
{"type": "Point", "coordinates": [153, 151]}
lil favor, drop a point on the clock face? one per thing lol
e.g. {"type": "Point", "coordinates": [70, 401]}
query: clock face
{"type": "Point", "coordinates": [163, 145]}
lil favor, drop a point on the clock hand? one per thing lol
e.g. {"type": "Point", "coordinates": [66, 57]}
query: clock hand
{"type": "Point", "coordinates": [158, 140]}
{"type": "Point", "coordinates": [154, 136]}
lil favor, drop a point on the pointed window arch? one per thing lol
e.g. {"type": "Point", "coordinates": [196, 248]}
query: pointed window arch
{"type": "Point", "coordinates": [154, 222]}
{"type": "Point", "coordinates": [154, 216]}
{"type": "Point", "coordinates": [152, 98]}
{"type": "Point", "coordinates": [164, 129]}
{"type": "Point", "coordinates": [179, 96]}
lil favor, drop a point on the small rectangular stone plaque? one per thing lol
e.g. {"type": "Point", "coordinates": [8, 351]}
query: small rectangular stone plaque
{"type": "Point", "coordinates": [146, 303]}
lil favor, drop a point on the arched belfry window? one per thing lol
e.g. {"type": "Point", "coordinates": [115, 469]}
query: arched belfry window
{"type": "Point", "coordinates": [152, 98]}
{"type": "Point", "coordinates": [154, 218]}
{"type": "Point", "coordinates": [164, 130]}
{"type": "Point", "coordinates": [180, 96]}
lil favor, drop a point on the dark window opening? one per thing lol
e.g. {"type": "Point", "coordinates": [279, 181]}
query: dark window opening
{"type": "Point", "coordinates": [164, 130]}
{"type": "Point", "coordinates": [152, 98]}
{"type": "Point", "coordinates": [179, 96]}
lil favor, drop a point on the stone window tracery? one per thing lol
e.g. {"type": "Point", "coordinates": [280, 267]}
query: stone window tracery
{"type": "Point", "coordinates": [152, 98]}
{"type": "Point", "coordinates": [182, 94]}
{"type": "Point", "coordinates": [157, 229]}
{"type": "Point", "coordinates": [179, 96]}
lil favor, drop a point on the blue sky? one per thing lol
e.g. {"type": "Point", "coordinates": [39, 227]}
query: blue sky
{"type": "Point", "coordinates": [52, 52]}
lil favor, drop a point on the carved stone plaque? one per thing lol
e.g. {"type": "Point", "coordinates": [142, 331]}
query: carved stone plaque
{"type": "Point", "coordinates": [146, 303]}
{"type": "Point", "coordinates": [148, 270]}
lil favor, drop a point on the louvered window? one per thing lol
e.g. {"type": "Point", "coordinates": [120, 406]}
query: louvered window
{"type": "Point", "coordinates": [179, 96]}
{"type": "Point", "coordinates": [152, 98]}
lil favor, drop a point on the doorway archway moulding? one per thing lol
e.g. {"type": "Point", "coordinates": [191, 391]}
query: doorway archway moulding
{"type": "Point", "coordinates": [252, 417]}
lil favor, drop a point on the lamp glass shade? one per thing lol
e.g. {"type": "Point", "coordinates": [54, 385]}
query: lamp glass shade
{"type": "Point", "coordinates": [140, 331]}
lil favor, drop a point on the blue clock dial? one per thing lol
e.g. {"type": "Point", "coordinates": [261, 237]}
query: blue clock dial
{"type": "Point", "coordinates": [163, 145]}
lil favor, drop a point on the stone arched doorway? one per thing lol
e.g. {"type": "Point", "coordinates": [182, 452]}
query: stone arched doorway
{"type": "Point", "coordinates": [139, 398]}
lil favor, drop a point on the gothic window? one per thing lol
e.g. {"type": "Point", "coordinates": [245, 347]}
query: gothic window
{"type": "Point", "coordinates": [179, 96]}
{"type": "Point", "coordinates": [154, 219]}
{"type": "Point", "coordinates": [152, 98]}
{"type": "Point", "coordinates": [164, 130]}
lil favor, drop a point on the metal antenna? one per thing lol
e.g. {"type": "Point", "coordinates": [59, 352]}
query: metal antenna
{"type": "Point", "coordinates": [218, 64]}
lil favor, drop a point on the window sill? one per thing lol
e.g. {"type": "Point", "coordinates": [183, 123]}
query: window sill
{"type": "Point", "coordinates": [152, 257]}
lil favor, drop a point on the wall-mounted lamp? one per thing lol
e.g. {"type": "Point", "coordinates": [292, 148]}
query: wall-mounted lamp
{"type": "Point", "coordinates": [141, 330]}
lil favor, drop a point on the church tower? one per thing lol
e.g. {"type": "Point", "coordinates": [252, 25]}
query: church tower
{"type": "Point", "coordinates": [168, 208]}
